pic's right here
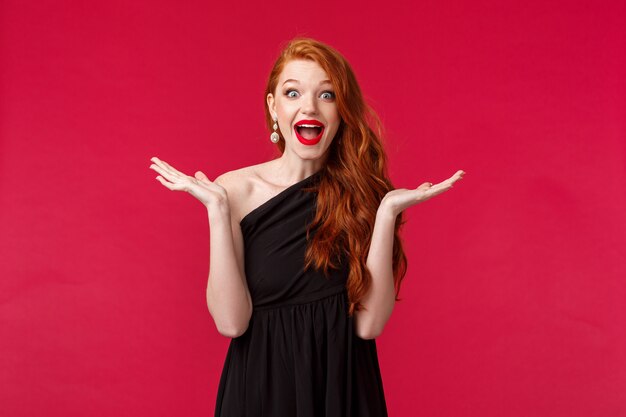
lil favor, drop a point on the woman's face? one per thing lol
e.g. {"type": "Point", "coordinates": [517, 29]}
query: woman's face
{"type": "Point", "coordinates": [304, 96]}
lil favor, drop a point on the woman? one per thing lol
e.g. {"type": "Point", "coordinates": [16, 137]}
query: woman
{"type": "Point", "coordinates": [306, 260]}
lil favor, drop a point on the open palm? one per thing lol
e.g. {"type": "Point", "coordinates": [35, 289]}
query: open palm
{"type": "Point", "coordinates": [199, 186]}
{"type": "Point", "coordinates": [403, 198]}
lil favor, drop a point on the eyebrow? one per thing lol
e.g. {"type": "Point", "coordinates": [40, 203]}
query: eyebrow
{"type": "Point", "coordinates": [298, 82]}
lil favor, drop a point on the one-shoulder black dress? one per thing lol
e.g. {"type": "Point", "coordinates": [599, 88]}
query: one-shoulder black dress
{"type": "Point", "coordinates": [300, 356]}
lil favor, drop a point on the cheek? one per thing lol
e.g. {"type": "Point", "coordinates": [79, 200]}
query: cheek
{"type": "Point", "coordinates": [336, 118]}
{"type": "Point", "coordinates": [332, 132]}
{"type": "Point", "coordinates": [336, 123]}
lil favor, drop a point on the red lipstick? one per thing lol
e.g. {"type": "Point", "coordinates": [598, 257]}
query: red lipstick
{"type": "Point", "coordinates": [314, 140]}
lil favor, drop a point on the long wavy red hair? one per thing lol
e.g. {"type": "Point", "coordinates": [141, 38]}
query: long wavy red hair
{"type": "Point", "coordinates": [354, 179]}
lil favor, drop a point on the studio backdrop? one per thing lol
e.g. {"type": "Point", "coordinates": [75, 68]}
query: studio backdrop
{"type": "Point", "coordinates": [514, 300]}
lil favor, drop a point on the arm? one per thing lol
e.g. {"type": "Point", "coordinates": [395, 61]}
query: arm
{"type": "Point", "coordinates": [227, 294]}
{"type": "Point", "coordinates": [380, 299]}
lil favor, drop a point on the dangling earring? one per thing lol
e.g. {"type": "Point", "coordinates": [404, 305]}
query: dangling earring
{"type": "Point", "coordinates": [274, 137]}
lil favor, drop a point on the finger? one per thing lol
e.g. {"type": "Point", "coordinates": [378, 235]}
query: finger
{"type": "Point", "coordinates": [200, 175]}
{"type": "Point", "coordinates": [163, 171]}
{"type": "Point", "coordinates": [171, 168]}
{"type": "Point", "coordinates": [170, 173]}
{"type": "Point", "coordinates": [162, 165]}
{"type": "Point", "coordinates": [171, 186]}
{"type": "Point", "coordinates": [457, 176]}
{"type": "Point", "coordinates": [438, 188]}
{"type": "Point", "coordinates": [158, 162]}
{"type": "Point", "coordinates": [425, 186]}
{"type": "Point", "coordinates": [168, 167]}
{"type": "Point", "coordinates": [450, 181]}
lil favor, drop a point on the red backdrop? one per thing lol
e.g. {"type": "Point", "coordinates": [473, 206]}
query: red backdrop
{"type": "Point", "coordinates": [514, 302]}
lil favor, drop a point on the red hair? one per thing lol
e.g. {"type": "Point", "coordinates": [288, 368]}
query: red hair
{"type": "Point", "coordinates": [354, 179]}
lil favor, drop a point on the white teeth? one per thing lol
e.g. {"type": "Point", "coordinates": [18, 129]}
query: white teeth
{"type": "Point", "coordinates": [303, 125]}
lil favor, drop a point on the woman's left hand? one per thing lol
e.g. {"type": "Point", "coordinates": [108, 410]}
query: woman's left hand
{"type": "Point", "coordinates": [401, 198]}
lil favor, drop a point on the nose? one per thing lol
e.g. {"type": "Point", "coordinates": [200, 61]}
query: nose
{"type": "Point", "coordinates": [309, 104]}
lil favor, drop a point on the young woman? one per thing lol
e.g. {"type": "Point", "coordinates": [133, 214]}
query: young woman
{"type": "Point", "coordinates": [306, 260]}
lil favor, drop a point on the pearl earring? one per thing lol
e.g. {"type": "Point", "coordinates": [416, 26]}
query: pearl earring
{"type": "Point", "coordinates": [274, 137]}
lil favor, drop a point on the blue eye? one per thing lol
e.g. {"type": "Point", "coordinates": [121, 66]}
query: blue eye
{"type": "Point", "coordinates": [329, 94]}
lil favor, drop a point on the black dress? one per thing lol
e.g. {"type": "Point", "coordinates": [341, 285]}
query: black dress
{"type": "Point", "coordinates": [300, 356]}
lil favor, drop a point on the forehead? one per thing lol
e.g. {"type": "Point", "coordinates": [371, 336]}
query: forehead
{"type": "Point", "coordinates": [304, 71]}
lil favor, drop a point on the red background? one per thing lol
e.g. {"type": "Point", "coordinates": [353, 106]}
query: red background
{"type": "Point", "coordinates": [515, 301]}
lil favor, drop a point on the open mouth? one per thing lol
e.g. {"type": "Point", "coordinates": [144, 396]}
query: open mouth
{"type": "Point", "coordinates": [309, 132]}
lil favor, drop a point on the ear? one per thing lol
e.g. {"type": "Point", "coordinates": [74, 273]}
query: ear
{"type": "Point", "coordinates": [271, 104]}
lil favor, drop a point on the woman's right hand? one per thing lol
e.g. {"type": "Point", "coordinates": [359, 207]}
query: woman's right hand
{"type": "Point", "coordinates": [208, 192]}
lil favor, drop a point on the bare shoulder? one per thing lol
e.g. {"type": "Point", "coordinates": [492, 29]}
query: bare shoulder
{"type": "Point", "coordinates": [231, 180]}
{"type": "Point", "coordinates": [242, 186]}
